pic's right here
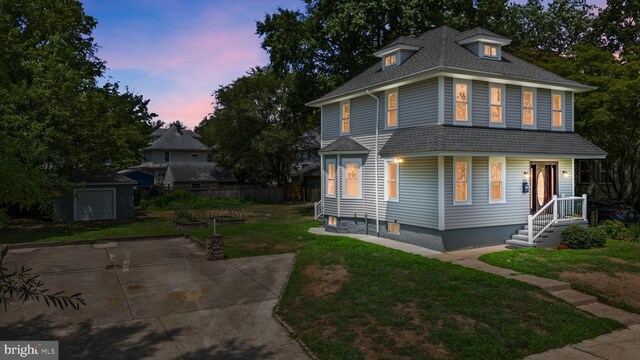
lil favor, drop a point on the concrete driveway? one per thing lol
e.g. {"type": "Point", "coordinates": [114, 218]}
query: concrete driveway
{"type": "Point", "coordinates": [161, 300]}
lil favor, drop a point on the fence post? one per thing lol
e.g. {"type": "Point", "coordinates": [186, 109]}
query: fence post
{"type": "Point", "coordinates": [530, 228]}
{"type": "Point", "coordinates": [584, 206]}
{"type": "Point", "coordinates": [555, 208]}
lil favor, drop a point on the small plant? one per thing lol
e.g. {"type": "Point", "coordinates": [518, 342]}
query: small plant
{"type": "Point", "coordinates": [580, 237]}
{"type": "Point", "coordinates": [634, 232]}
{"type": "Point", "coordinates": [612, 229]}
{"type": "Point", "coordinates": [562, 247]}
{"type": "Point", "coordinates": [186, 216]}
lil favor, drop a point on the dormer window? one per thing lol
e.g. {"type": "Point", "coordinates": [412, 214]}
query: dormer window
{"type": "Point", "coordinates": [391, 60]}
{"type": "Point", "coordinates": [490, 51]}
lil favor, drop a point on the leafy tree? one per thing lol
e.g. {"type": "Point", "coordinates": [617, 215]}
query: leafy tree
{"type": "Point", "coordinates": [617, 26]}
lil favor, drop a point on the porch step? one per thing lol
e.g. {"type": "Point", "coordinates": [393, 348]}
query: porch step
{"type": "Point", "coordinates": [520, 237]}
{"type": "Point", "coordinates": [524, 232]}
{"type": "Point", "coordinates": [520, 243]}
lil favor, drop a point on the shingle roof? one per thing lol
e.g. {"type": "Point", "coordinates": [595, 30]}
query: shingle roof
{"type": "Point", "coordinates": [159, 132]}
{"type": "Point", "coordinates": [441, 52]}
{"type": "Point", "coordinates": [174, 140]}
{"type": "Point", "coordinates": [105, 176]}
{"type": "Point", "coordinates": [438, 138]}
{"type": "Point", "coordinates": [479, 31]}
{"type": "Point", "coordinates": [199, 172]}
{"type": "Point", "coordinates": [344, 144]}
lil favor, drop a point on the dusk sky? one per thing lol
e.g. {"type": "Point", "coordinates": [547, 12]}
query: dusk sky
{"type": "Point", "coordinates": [176, 53]}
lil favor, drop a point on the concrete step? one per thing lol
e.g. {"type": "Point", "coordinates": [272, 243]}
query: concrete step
{"type": "Point", "coordinates": [544, 283]}
{"type": "Point", "coordinates": [520, 237]}
{"type": "Point", "coordinates": [524, 232]}
{"type": "Point", "coordinates": [520, 243]}
{"type": "Point", "coordinates": [574, 298]}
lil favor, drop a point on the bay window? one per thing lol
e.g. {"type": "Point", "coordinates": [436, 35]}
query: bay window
{"type": "Point", "coordinates": [352, 178]}
{"type": "Point", "coordinates": [331, 178]}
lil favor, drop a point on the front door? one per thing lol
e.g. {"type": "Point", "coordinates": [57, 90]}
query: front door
{"type": "Point", "coordinates": [544, 183]}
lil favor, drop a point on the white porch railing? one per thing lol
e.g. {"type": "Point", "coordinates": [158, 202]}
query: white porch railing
{"type": "Point", "coordinates": [557, 210]}
{"type": "Point", "coordinates": [317, 209]}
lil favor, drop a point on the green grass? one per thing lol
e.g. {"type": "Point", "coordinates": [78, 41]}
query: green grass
{"type": "Point", "coordinates": [178, 199]}
{"type": "Point", "coordinates": [385, 303]}
{"type": "Point", "coordinates": [607, 263]}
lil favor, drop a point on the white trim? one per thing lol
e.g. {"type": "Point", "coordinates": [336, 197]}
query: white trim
{"type": "Point", "coordinates": [485, 39]}
{"type": "Point", "coordinates": [481, 46]}
{"type": "Point", "coordinates": [441, 206]}
{"type": "Point", "coordinates": [535, 104]}
{"type": "Point", "coordinates": [503, 161]}
{"type": "Point", "coordinates": [503, 120]}
{"type": "Point", "coordinates": [468, 160]}
{"type": "Point", "coordinates": [342, 103]}
{"type": "Point", "coordinates": [385, 57]}
{"type": "Point", "coordinates": [338, 181]}
{"type": "Point", "coordinates": [322, 187]}
{"type": "Point", "coordinates": [564, 112]}
{"type": "Point", "coordinates": [386, 108]}
{"type": "Point", "coordinates": [398, 47]}
{"type": "Point", "coordinates": [514, 155]}
{"type": "Point", "coordinates": [386, 180]}
{"type": "Point", "coordinates": [469, 121]}
{"type": "Point", "coordinates": [573, 111]}
{"type": "Point", "coordinates": [341, 152]}
{"type": "Point", "coordinates": [440, 99]}
{"type": "Point", "coordinates": [335, 178]}
{"type": "Point", "coordinates": [344, 163]}
{"type": "Point", "coordinates": [75, 200]}
{"type": "Point", "coordinates": [573, 177]}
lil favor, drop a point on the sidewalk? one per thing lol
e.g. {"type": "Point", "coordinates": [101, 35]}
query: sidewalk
{"type": "Point", "coordinates": [618, 345]}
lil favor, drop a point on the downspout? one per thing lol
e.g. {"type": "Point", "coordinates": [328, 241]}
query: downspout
{"type": "Point", "coordinates": [376, 159]}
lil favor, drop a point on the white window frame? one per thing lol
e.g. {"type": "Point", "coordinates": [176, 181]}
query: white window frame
{"type": "Point", "coordinates": [562, 109]}
{"type": "Point", "coordinates": [386, 108]}
{"type": "Point", "coordinates": [344, 177]}
{"type": "Point", "coordinates": [468, 122]}
{"type": "Point", "coordinates": [502, 122]}
{"type": "Point", "coordinates": [395, 63]}
{"type": "Point", "coordinates": [534, 104]}
{"type": "Point", "coordinates": [386, 180]}
{"type": "Point", "coordinates": [483, 55]}
{"type": "Point", "coordinates": [397, 231]}
{"type": "Point", "coordinates": [469, 162]}
{"type": "Point", "coordinates": [335, 221]}
{"type": "Point", "coordinates": [335, 178]}
{"type": "Point", "coordinates": [342, 104]}
{"type": "Point", "coordinates": [503, 167]}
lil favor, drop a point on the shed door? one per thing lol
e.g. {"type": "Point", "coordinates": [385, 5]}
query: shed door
{"type": "Point", "coordinates": [94, 204]}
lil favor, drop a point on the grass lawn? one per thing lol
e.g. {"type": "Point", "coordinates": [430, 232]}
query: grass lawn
{"type": "Point", "coordinates": [611, 273]}
{"type": "Point", "coordinates": [353, 300]}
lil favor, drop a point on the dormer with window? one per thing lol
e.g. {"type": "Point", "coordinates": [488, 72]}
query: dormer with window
{"type": "Point", "coordinates": [485, 44]}
{"type": "Point", "coordinates": [395, 55]}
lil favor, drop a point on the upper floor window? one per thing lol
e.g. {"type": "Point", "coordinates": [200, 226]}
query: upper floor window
{"type": "Point", "coordinates": [497, 172]}
{"type": "Point", "coordinates": [166, 156]}
{"type": "Point", "coordinates": [392, 108]}
{"type": "Point", "coordinates": [528, 103]}
{"type": "Point", "coordinates": [331, 178]}
{"type": "Point", "coordinates": [557, 121]}
{"type": "Point", "coordinates": [352, 178]}
{"type": "Point", "coordinates": [346, 114]}
{"type": "Point", "coordinates": [490, 51]}
{"type": "Point", "coordinates": [390, 60]}
{"type": "Point", "coordinates": [497, 113]}
{"type": "Point", "coordinates": [462, 180]}
{"type": "Point", "coordinates": [391, 193]}
{"type": "Point", "coordinates": [461, 101]}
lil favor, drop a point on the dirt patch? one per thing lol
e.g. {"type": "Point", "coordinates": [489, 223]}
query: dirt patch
{"type": "Point", "coordinates": [254, 246]}
{"type": "Point", "coordinates": [325, 280]}
{"type": "Point", "coordinates": [623, 286]}
{"type": "Point", "coordinates": [465, 323]}
{"type": "Point", "coordinates": [410, 311]}
{"type": "Point", "coordinates": [618, 261]}
{"type": "Point", "coordinates": [135, 287]}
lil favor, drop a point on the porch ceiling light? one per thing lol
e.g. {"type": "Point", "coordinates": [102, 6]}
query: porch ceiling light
{"type": "Point", "coordinates": [398, 160]}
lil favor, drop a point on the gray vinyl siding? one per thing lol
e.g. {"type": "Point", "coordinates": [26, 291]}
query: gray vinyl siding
{"type": "Point", "coordinates": [568, 105]}
{"type": "Point", "coordinates": [565, 185]}
{"type": "Point", "coordinates": [474, 48]}
{"type": "Point", "coordinates": [418, 194]}
{"type": "Point", "coordinates": [369, 178]}
{"type": "Point", "coordinates": [543, 109]}
{"type": "Point", "coordinates": [479, 103]}
{"type": "Point", "coordinates": [330, 122]}
{"type": "Point", "coordinates": [513, 106]}
{"type": "Point", "coordinates": [363, 116]}
{"type": "Point", "coordinates": [448, 100]}
{"type": "Point", "coordinates": [417, 104]}
{"type": "Point", "coordinates": [404, 55]}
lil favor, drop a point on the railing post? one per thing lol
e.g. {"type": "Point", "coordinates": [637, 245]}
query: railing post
{"type": "Point", "coordinates": [555, 208]}
{"type": "Point", "coordinates": [530, 229]}
{"type": "Point", "coordinates": [584, 207]}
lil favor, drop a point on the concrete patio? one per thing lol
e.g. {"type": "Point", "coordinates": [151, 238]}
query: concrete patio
{"type": "Point", "coordinates": [155, 299]}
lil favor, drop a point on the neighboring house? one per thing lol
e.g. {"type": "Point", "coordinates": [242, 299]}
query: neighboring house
{"type": "Point", "coordinates": [172, 145]}
{"type": "Point", "coordinates": [304, 184]}
{"type": "Point", "coordinates": [143, 179]}
{"type": "Point", "coordinates": [449, 142]}
{"type": "Point", "coordinates": [102, 195]}
{"type": "Point", "coordinates": [196, 175]}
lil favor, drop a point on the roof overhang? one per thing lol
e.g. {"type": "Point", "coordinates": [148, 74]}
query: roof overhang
{"type": "Point", "coordinates": [395, 48]}
{"type": "Point", "coordinates": [358, 152]}
{"type": "Point", "coordinates": [485, 39]}
{"type": "Point", "coordinates": [532, 156]}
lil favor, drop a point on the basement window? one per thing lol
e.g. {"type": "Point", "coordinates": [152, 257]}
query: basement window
{"type": "Point", "coordinates": [332, 221]}
{"type": "Point", "coordinates": [393, 228]}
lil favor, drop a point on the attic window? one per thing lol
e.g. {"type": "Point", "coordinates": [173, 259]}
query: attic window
{"type": "Point", "coordinates": [391, 60]}
{"type": "Point", "coordinates": [490, 51]}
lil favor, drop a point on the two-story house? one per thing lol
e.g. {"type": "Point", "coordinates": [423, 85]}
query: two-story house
{"type": "Point", "coordinates": [449, 142]}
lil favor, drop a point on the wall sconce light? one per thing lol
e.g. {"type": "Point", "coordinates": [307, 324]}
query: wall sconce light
{"type": "Point", "coordinates": [525, 175]}
{"type": "Point", "coordinates": [565, 173]}
{"type": "Point", "coordinates": [398, 160]}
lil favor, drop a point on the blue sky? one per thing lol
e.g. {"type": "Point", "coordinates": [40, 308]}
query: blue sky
{"type": "Point", "coordinates": [176, 53]}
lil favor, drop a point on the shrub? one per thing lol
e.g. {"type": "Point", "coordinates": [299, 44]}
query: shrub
{"type": "Point", "coordinates": [576, 237]}
{"type": "Point", "coordinates": [598, 236]}
{"type": "Point", "coordinates": [612, 229]}
{"type": "Point", "coordinates": [632, 233]}
{"type": "Point", "coordinates": [186, 216]}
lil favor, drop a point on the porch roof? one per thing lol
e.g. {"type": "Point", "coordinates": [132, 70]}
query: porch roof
{"type": "Point", "coordinates": [442, 139]}
{"type": "Point", "coordinates": [346, 145]}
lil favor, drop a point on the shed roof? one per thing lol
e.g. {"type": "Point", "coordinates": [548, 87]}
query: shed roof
{"type": "Point", "coordinates": [103, 177]}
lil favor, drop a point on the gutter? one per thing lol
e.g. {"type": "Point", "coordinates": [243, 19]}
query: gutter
{"type": "Point", "coordinates": [376, 160]}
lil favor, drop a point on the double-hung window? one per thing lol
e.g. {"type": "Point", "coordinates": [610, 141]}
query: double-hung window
{"type": "Point", "coordinates": [528, 110]}
{"type": "Point", "coordinates": [497, 105]}
{"type": "Point", "coordinates": [497, 175]}
{"type": "Point", "coordinates": [390, 60]}
{"type": "Point", "coordinates": [392, 174]}
{"type": "Point", "coordinates": [461, 98]}
{"type": "Point", "coordinates": [392, 108]}
{"type": "Point", "coordinates": [352, 178]}
{"type": "Point", "coordinates": [331, 178]}
{"type": "Point", "coordinates": [345, 117]}
{"type": "Point", "coordinates": [490, 51]}
{"type": "Point", "coordinates": [557, 120]}
{"type": "Point", "coordinates": [462, 180]}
